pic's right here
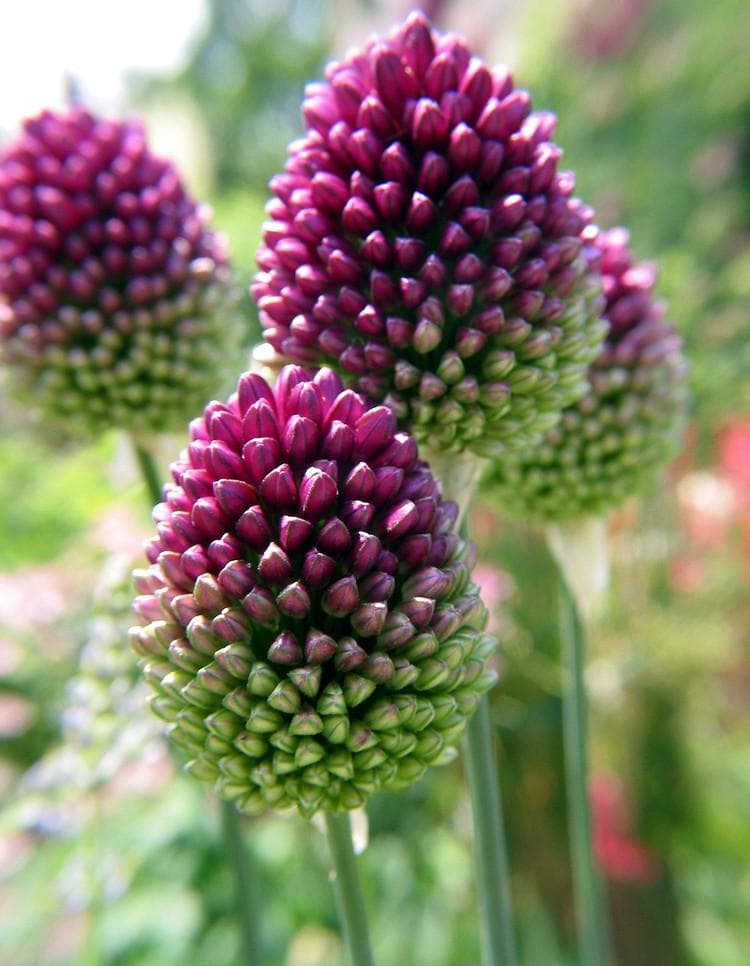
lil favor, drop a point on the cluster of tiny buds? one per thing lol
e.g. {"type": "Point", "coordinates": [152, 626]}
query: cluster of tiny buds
{"type": "Point", "coordinates": [423, 241]}
{"type": "Point", "coordinates": [617, 438]}
{"type": "Point", "coordinates": [113, 291]}
{"type": "Point", "coordinates": [311, 631]}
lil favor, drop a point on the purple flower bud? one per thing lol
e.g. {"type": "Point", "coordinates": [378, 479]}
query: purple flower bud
{"type": "Point", "coordinates": [334, 537]}
{"type": "Point", "coordinates": [341, 597]}
{"type": "Point", "coordinates": [261, 607]}
{"type": "Point", "coordinates": [260, 456]}
{"type": "Point", "coordinates": [318, 493]}
{"type": "Point", "coordinates": [278, 489]}
{"type": "Point", "coordinates": [285, 650]}
{"type": "Point", "coordinates": [237, 578]}
{"type": "Point", "coordinates": [319, 647]}
{"type": "Point", "coordinates": [294, 533]}
{"type": "Point", "coordinates": [294, 600]}
{"type": "Point", "coordinates": [274, 567]}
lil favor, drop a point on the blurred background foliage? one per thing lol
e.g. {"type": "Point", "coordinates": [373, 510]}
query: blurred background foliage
{"type": "Point", "coordinates": [109, 855]}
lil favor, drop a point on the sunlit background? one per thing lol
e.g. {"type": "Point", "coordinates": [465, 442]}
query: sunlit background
{"type": "Point", "coordinates": [107, 854]}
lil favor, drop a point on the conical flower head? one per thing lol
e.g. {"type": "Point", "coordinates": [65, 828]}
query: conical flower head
{"type": "Point", "coordinates": [423, 241]}
{"type": "Point", "coordinates": [311, 631]}
{"type": "Point", "coordinates": [616, 439]}
{"type": "Point", "coordinates": [113, 290]}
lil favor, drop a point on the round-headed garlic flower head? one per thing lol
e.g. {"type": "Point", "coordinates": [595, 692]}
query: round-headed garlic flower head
{"type": "Point", "coordinates": [616, 439]}
{"type": "Point", "coordinates": [113, 290]}
{"type": "Point", "coordinates": [311, 631]}
{"type": "Point", "coordinates": [424, 243]}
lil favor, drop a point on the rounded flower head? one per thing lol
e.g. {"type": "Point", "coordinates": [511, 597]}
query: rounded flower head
{"type": "Point", "coordinates": [615, 439]}
{"type": "Point", "coordinates": [111, 285]}
{"type": "Point", "coordinates": [424, 242]}
{"type": "Point", "coordinates": [311, 630]}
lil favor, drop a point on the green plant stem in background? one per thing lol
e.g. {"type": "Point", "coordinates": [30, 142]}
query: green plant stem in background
{"type": "Point", "coordinates": [493, 880]}
{"type": "Point", "coordinates": [349, 900]}
{"type": "Point", "coordinates": [149, 472]}
{"type": "Point", "coordinates": [237, 852]}
{"type": "Point", "coordinates": [590, 909]}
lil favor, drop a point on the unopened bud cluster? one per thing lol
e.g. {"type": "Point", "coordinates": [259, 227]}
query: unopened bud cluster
{"type": "Point", "coordinates": [423, 241]}
{"type": "Point", "coordinates": [615, 439]}
{"type": "Point", "coordinates": [311, 631]}
{"type": "Point", "coordinates": [113, 290]}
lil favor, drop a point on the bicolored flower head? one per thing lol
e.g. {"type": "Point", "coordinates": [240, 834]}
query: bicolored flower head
{"type": "Point", "coordinates": [113, 290]}
{"type": "Point", "coordinates": [424, 243]}
{"type": "Point", "coordinates": [311, 631]}
{"type": "Point", "coordinates": [616, 439]}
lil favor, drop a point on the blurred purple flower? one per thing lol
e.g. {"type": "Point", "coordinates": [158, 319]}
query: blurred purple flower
{"type": "Point", "coordinates": [620, 435]}
{"type": "Point", "coordinates": [111, 285]}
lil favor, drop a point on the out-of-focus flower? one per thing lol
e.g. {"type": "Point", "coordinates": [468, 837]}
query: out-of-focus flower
{"type": "Point", "coordinates": [113, 291]}
{"type": "Point", "coordinates": [104, 723]}
{"type": "Point", "coordinates": [621, 857]}
{"type": "Point", "coordinates": [423, 241]}
{"type": "Point", "coordinates": [616, 439]}
{"type": "Point", "coordinates": [495, 588]}
{"type": "Point", "coordinates": [708, 505]}
{"type": "Point", "coordinates": [734, 458]}
{"type": "Point", "coordinates": [311, 631]}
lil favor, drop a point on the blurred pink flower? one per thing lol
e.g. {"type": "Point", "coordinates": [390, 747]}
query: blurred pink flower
{"type": "Point", "coordinates": [119, 531]}
{"type": "Point", "coordinates": [495, 588]}
{"type": "Point", "coordinates": [16, 714]}
{"type": "Point", "coordinates": [734, 458]}
{"type": "Point", "coordinates": [32, 597]}
{"type": "Point", "coordinates": [621, 857]}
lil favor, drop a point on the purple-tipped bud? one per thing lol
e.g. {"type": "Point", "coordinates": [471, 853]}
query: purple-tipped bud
{"type": "Point", "coordinates": [319, 647]}
{"type": "Point", "coordinates": [335, 551]}
{"type": "Point", "coordinates": [285, 650]}
{"type": "Point", "coordinates": [341, 598]}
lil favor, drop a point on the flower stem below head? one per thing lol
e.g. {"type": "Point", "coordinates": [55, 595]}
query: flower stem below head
{"type": "Point", "coordinates": [493, 880]}
{"type": "Point", "coordinates": [245, 890]}
{"type": "Point", "coordinates": [238, 854]}
{"type": "Point", "coordinates": [349, 900]}
{"type": "Point", "coordinates": [590, 909]}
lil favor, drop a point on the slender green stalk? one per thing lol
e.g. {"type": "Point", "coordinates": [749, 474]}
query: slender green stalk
{"type": "Point", "coordinates": [237, 852]}
{"type": "Point", "coordinates": [491, 855]}
{"type": "Point", "coordinates": [245, 890]}
{"type": "Point", "coordinates": [351, 905]}
{"type": "Point", "coordinates": [590, 909]}
{"type": "Point", "coordinates": [149, 471]}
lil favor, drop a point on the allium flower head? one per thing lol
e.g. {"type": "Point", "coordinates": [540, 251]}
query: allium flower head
{"type": "Point", "coordinates": [111, 285]}
{"type": "Point", "coordinates": [423, 242]}
{"type": "Point", "coordinates": [615, 439]}
{"type": "Point", "coordinates": [311, 629]}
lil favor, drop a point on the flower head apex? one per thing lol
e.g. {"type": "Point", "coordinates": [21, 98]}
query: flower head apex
{"type": "Point", "coordinates": [423, 241]}
{"type": "Point", "coordinates": [311, 631]}
{"type": "Point", "coordinates": [112, 286]}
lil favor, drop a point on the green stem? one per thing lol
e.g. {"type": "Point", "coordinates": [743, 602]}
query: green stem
{"type": "Point", "coordinates": [245, 890]}
{"type": "Point", "coordinates": [491, 855]}
{"type": "Point", "coordinates": [351, 905]}
{"type": "Point", "coordinates": [149, 472]}
{"type": "Point", "coordinates": [590, 911]}
{"type": "Point", "coordinates": [238, 854]}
